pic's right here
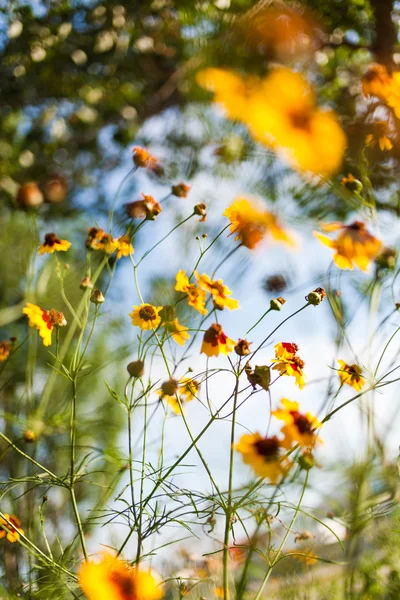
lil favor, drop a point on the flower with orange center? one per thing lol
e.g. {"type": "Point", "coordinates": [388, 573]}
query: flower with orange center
{"type": "Point", "coordinates": [218, 290]}
{"type": "Point", "coordinates": [114, 579]}
{"type": "Point", "coordinates": [265, 455]}
{"type": "Point", "coordinates": [146, 316]}
{"type": "Point", "coordinates": [44, 320]}
{"type": "Point", "coordinates": [351, 375]}
{"type": "Point", "coordinates": [376, 82]}
{"type": "Point", "coordinates": [125, 247]}
{"type": "Point", "coordinates": [5, 350]}
{"type": "Point", "coordinates": [379, 136]}
{"type": "Point", "coordinates": [196, 296]}
{"type": "Point", "coordinates": [353, 246]}
{"type": "Point", "coordinates": [288, 363]}
{"type": "Point", "coordinates": [143, 158]}
{"type": "Point", "coordinates": [53, 244]}
{"type": "Point", "coordinates": [251, 224]}
{"type": "Point", "coordinates": [283, 116]}
{"type": "Point", "coordinates": [215, 341]}
{"type": "Point", "coordinates": [299, 427]}
{"type": "Point", "coordinates": [10, 527]}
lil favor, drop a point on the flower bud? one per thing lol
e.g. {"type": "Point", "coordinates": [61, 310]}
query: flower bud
{"type": "Point", "coordinates": [306, 460]}
{"type": "Point", "coordinates": [29, 195]}
{"type": "Point", "coordinates": [201, 210]}
{"type": "Point", "coordinates": [277, 303]}
{"type": "Point", "coordinates": [387, 259]}
{"type": "Point", "coordinates": [316, 296]}
{"type": "Point", "coordinates": [180, 190]}
{"type": "Point", "coordinates": [29, 436]}
{"type": "Point", "coordinates": [142, 158]}
{"type": "Point", "coordinates": [86, 283]}
{"type": "Point", "coordinates": [242, 348]}
{"type": "Point", "coordinates": [97, 297]}
{"type": "Point", "coordinates": [136, 368]}
{"type": "Point", "coordinates": [352, 184]}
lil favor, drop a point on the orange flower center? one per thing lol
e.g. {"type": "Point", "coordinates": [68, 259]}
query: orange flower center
{"type": "Point", "coordinates": [147, 313]}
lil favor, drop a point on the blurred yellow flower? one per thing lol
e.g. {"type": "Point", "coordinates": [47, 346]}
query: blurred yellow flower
{"type": "Point", "coordinates": [44, 320]}
{"type": "Point", "coordinates": [265, 455]}
{"type": "Point", "coordinates": [215, 341]}
{"type": "Point", "coordinates": [53, 244]}
{"type": "Point", "coordinates": [178, 332]}
{"type": "Point", "coordinates": [299, 427]}
{"type": "Point", "coordinates": [250, 224]}
{"type": "Point", "coordinates": [354, 245]}
{"type": "Point", "coordinates": [146, 316]}
{"type": "Point", "coordinates": [124, 247]}
{"type": "Point", "coordinates": [376, 82]}
{"type": "Point", "coordinates": [99, 240]}
{"type": "Point", "coordinates": [14, 528]}
{"type": "Point", "coordinates": [5, 350]}
{"type": "Point", "coordinates": [218, 290]}
{"type": "Point", "coordinates": [288, 363]}
{"type": "Point", "coordinates": [196, 296]}
{"type": "Point", "coordinates": [351, 375]}
{"type": "Point", "coordinates": [114, 579]}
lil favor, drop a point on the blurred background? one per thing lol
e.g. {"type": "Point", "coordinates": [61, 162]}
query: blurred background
{"type": "Point", "coordinates": [81, 84]}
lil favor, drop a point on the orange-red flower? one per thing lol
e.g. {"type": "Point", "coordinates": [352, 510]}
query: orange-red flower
{"type": "Point", "coordinates": [13, 525]}
{"type": "Point", "coordinates": [215, 341]}
{"type": "Point", "coordinates": [353, 246]}
{"type": "Point", "coordinates": [44, 320]}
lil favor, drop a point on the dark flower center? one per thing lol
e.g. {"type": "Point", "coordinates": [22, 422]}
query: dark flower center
{"type": "Point", "coordinates": [300, 121]}
{"type": "Point", "coordinates": [50, 239]}
{"type": "Point", "coordinates": [147, 313]}
{"type": "Point", "coordinates": [268, 448]}
{"type": "Point", "coordinates": [301, 421]}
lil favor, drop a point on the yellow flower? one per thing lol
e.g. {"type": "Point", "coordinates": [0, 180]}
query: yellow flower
{"type": "Point", "coordinates": [351, 374]}
{"type": "Point", "coordinates": [215, 341]}
{"type": "Point", "coordinates": [44, 320]}
{"type": "Point", "coordinates": [354, 245]}
{"type": "Point", "coordinates": [186, 389]}
{"type": "Point", "coordinates": [196, 296]}
{"type": "Point", "coordinates": [125, 247]}
{"type": "Point", "coordinates": [14, 528]}
{"type": "Point", "coordinates": [5, 350]}
{"type": "Point", "coordinates": [309, 557]}
{"type": "Point", "coordinates": [53, 244]}
{"type": "Point", "coordinates": [291, 366]}
{"type": "Point", "coordinates": [250, 224]}
{"type": "Point", "coordinates": [286, 349]}
{"type": "Point", "coordinates": [376, 82]}
{"type": "Point", "coordinates": [218, 290]}
{"type": "Point", "coordinates": [264, 454]}
{"type": "Point", "coordinates": [94, 236]}
{"type": "Point", "coordinates": [299, 428]}
{"type": "Point", "coordinates": [146, 316]}
{"type": "Point", "coordinates": [99, 240]}
{"type": "Point", "coordinates": [379, 135]}
{"type": "Point", "coordinates": [113, 579]}
{"type": "Point", "coordinates": [283, 115]}
{"type": "Point", "coordinates": [179, 333]}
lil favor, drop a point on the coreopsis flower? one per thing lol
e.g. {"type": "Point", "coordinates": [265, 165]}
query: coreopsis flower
{"type": "Point", "coordinates": [14, 528]}
{"type": "Point", "coordinates": [148, 208]}
{"type": "Point", "coordinates": [195, 295]}
{"type": "Point", "coordinates": [180, 190]}
{"type": "Point", "coordinates": [353, 246]}
{"type": "Point", "coordinates": [218, 290]}
{"type": "Point", "coordinates": [299, 427]}
{"type": "Point", "coordinates": [114, 579]}
{"type": "Point", "coordinates": [189, 388]}
{"type": "Point", "coordinates": [5, 350]}
{"type": "Point", "coordinates": [201, 211]}
{"type": "Point", "coordinates": [215, 341]}
{"type": "Point", "coordinates": [379, 136]}
{"type": "Point", "coordinates": [107, 244]}
{"type": "Point", "coordinates": [250, 224]}
{"type": "Point", "coordinates": [125, 247]}
{"type": "Point", "coordinates": [44, 320]}
{"type": "Point", "coordinates": [94, 236]}
{"type": "Point", "coordinates": [351, 375]}
{"type": "Point", "coordinates": [265, 455]}
{"type": "Point", "coordinates": [143, 158]}
{"type": "Point", "coordinates": [53, 244]}
{"type": "Point", "coordinates": [351, 183]}
{"type": "Point", "coordinates": [282, 114]}
{"type": "Point", "coordinates": [288, 363]}
{"type": "Point", "coordinates": [146, 316]}
{"type": "Point", "coordinates": [186, 389]}
{"type": "Point", "coordinates": [178, 332]}
{"type": "Point", "coordinates": [376, 82]}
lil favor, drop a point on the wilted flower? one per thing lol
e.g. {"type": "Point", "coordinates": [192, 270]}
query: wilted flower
{"type": "Point", "coordinates": [29, 195]}
{"type": "Point", "coordinates": [260, 375]}
{"type": "Point", "coordinates": [201, 211]}
{"type": "Point", "coordinates": [265, 455]}
{"type": "Point", "coordinates": [250, 224]}
{"type": "Point", "coordinates": [299, 427]}
{"type": "Point", "coordinates": [142, 157]}
{"type": "Point", "coordinates": [53, 244]}
{"type": "Point", "coordinates": [148, 208]}
{"type": "Point", "coordinates": [44, 320]}
{"type": "Point", "coordinates": [218, 290]}
{"type": "Point", "coordinates": [215, 341]}
{"type": "Point", "coordinates": [242, 347]}
{"type": "Point", "coordinates": [196, 296]}
{"type": "Point", "coordinates": [354, 245]}
{"type": "Point", "coordinates": [180, 190]}
{"type": "Point", "coordinates": [97, 297]}
{"type": "Point", "coordinates": [114, 579]}
{"type": "Point", "coordinates": [351, 375]}
{"type": "Point", "coordinates": [146, 316]}
{"type": "Point", "coordinates": [14, 528]}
